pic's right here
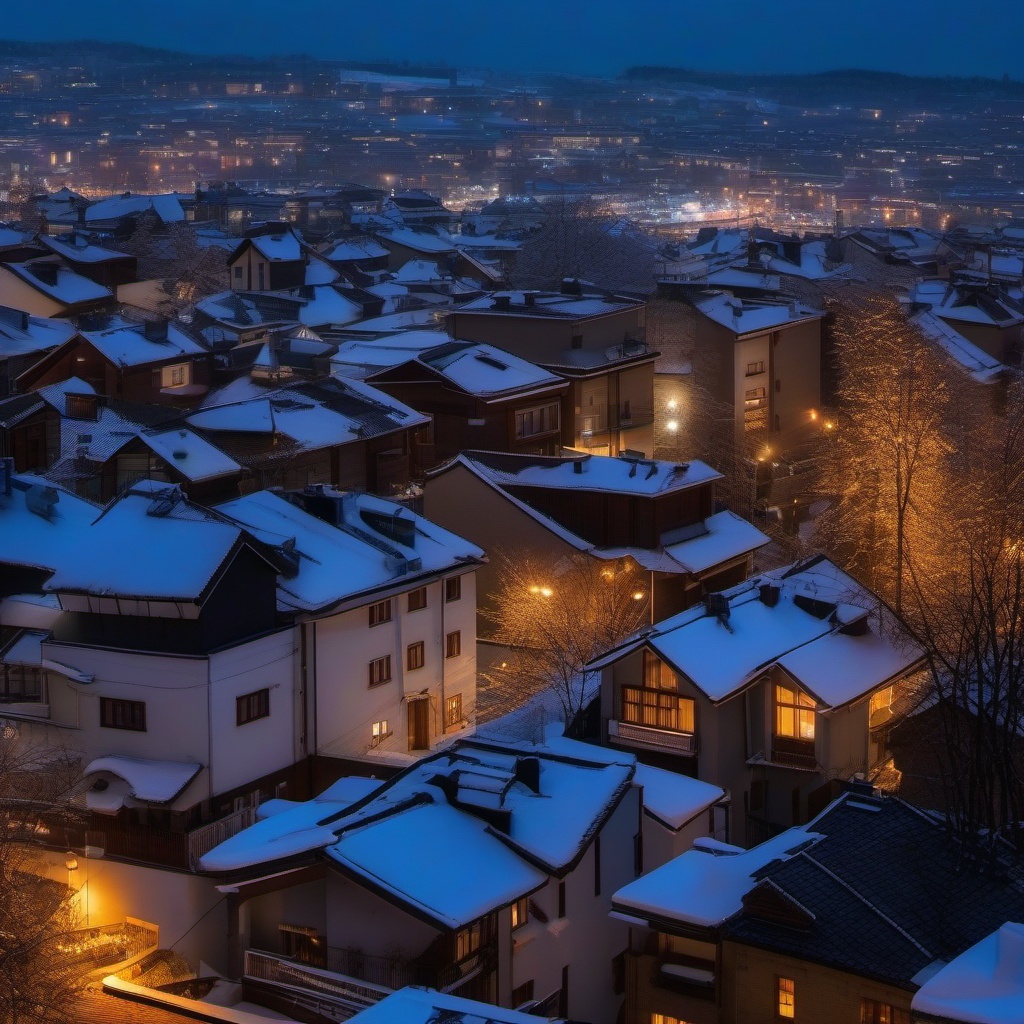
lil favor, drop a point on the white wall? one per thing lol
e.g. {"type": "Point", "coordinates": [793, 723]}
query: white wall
{"type": "Point", "coordinates": [346, 706]}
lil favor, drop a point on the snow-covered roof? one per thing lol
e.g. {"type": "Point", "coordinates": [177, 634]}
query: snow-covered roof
{"type": "Point", "coordinates": [154, 782]}
{"type": "Point", "coordinates": [151, 543]}
{"type": "Point", "coordinates": [727, 536]}
{"type": "Point", "coordinates": [421, 241]}
{"type": "Point", "coordinates": [46, 538]}
{"type": "Point", "coordinates": [59, 282]}
{"type": "Point", "coordinates": [22, 334]}
{"type": "Point", "coordinates": [951, 302]}
{"type": "Point", "coordinates": [976, 361]}
{"type": "Point", "coordinates": [814, 263]}
{"type": "Point", "coordinates": [675, 799]}
{"type": "Point", "coordinates": [78, 249]}
{"type": "Point", "coordinates": [983, 985]}
{"type": "Point", "coordinates": [358, 359]}
{"type": "Point", "coordinates": [192, 456]}
{"type": "Point", "coordinates": [549, 304]}
{"type": "Point", "coordinates": [414, 1005]}
{"type": "Point", "coordinates": [166, 207]}
{"type": "Point", "coordinates": [605, 473]}
{"type": "Point", "coordinates": [322, 304]}
{"type": "Point", "coordinates": [319, 414]}
{"type": "Point", "coordinates": [428, 837]}
{"type": "Point", "coordinates": [744, 316]}
{"type": "Point", "coordinates": [357, 557]}
{"type": "Point", "coordinates": [821, 626]}
{"type": "Point", "coordinates": [283, 246]}
{"type": "Point", "coordinates": [392, 323]}
{"type": "Point", "coordinates": [354, 248]}
{"type": "Point", "coordinates": [127, 344]}
{"type": "Point", "coordinates": [484, 370]}
{"type": "Point", "coordinates": [705, 886]}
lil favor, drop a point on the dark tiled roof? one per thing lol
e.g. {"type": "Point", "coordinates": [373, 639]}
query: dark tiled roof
{"type": "Point", "coordinates": [890, 892]}
{"type": "Point", "coordinates": [13, 410]}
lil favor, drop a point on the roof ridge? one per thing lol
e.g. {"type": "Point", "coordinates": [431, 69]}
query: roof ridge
{"type": "Point", "coordinates": [867, 903]}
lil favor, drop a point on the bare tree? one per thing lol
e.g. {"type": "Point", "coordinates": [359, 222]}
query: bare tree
{"type": "Point", "coordinates": [556, 618]}
{"type": "Point", "coordinates": [582, 240]}
{"type": "Point", "coordinates": [39, 981]}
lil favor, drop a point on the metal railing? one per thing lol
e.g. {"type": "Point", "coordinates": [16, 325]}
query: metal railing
{"type": "Point", "coordinates": [337, 994]}
{"type": "Point", "coordinates": [203, 839]}
{"type": "Point", "coordinates": [681, 742]}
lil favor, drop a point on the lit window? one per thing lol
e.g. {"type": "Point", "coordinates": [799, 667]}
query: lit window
{"type": "Point", "coordinates": [415, 656]}
{"type": "Point", "coordinates": [380, 612]}
{"type": "Point", "coordinates": [468, 940]}
{"type": "Point", "coordinates": [379, 731]}
{"type": "Point", "coordinates": [176, 376]}
{"type": "Point", "coordinates": [453, 711]}
{"type": "Point", "coordinates": [417, 599]}
{"type": "Point", "coordinates": [453, 588]}
{"type": "Point", "coordinates": [520, 913]}
{"type": "Point", "coordinates": [380, 670]}
{"type": "Point", "coordinates": [251, 706]}
{"type": "Point", "coordinates": [453, 644]}
{"type": "Point", "coordinates": [657, 709]}
{"type": "Point", "coordinates": [786, 1002]}
{"type": "Point", "coordinates": [874, 1012]}
{"type": "Point", "coordinates": [794, 714]}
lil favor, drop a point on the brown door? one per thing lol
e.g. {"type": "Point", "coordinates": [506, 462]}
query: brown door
{"type": "Point", "coordinates": [419, 724]}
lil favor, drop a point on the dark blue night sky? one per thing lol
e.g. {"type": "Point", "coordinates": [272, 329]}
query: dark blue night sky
{"type": "Point", "coordinates": [933, 37]}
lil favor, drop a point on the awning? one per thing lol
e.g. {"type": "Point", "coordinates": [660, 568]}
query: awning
{"type": "Point", "coordinates": [152, 782]}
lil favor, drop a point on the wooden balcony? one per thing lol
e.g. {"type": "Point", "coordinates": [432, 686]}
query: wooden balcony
{"type": "Point", "coordinates": [793, 752]}
{"type": "Point", "coordinates": [657, 739]}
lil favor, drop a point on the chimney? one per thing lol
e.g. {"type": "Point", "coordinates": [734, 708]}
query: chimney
{"type": "Point", "coordinates": [528, 773]}
{"type": "Point", "coordinates": [530, 298]}
{"type": "Point", "coordinates": [570, 286]}
{"type": "Point", "coordinates": [577, 467]}
{"type": "Point", "coordinates": [155, 330]}
{"type": "Point", "coordinates": [502, 302]}
{"type": "Point", "coordinates": [768, 594]}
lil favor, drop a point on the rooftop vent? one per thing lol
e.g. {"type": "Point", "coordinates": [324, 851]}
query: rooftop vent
{"type": "Point", "coordinates": [502, 302]}
{"type": "Point", "coordinates": [41, 500]}
{"type": "Point", "coordinates": [155, 330]}
{"type": "Point", "coordinates": [768, 594]}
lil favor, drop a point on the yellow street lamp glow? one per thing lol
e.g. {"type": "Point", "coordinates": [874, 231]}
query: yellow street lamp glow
{"type": "Point", "coordinates": [672, 425]}
{"type": "Point", "coordinates": [638, 595]}
{"type": "Point", "coordinates": [672, 405]}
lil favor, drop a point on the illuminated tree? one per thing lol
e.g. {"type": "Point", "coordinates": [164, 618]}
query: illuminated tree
{"type": "Point", "coordinates": [554, 619]}
{"type": "Point", "coordinates": [582, 240]}
{"type": "Point", "coordinates": [885, 463]}
{"type": "Point", "coordinates": [38, 981]}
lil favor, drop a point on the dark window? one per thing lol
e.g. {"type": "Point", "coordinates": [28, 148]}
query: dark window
{"type": "Point", "coordinates": [755, 368]}
{"type": "Point", "coordinates": [453, 711]}
{"type": "Point", "coordinates": [597, 865]}
{"type": "Point", "coordinates": [638, 854]}
{"type": "Point", "coordinates": [415, 656]}
{"type": "Point", "coordinates": [251, 706]}
{"type": "Point", "coordinates": [561, 899]}
{"type": "Point", "coordinates": [453, 588]}
{"type": "Point", "coordinates": [577, 341]}
{"type": "Point", "coordinates": [453, 644]}
{"type": "Point", "coordinates": [563, 993]}
{"type": "Point", "coordinates": [522, 994]}
{"type": "Point", "coordinates": [238, 273]}
{"type": "Point", "coordinates": [380, 612]}
{"type": "Point", "coordinates": [20, 684]}
{"type": "Point", "coordinates": [380, 670]}
{"type": "Point", "coordinates": [541, 419]}
{"type": "Point", "coordinates": [417, 599]}
{"type": "Point", "coordinates": [123, 714]}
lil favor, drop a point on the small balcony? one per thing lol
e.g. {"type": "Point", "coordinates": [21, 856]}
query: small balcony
{"type": "Point", "coordinates": [656, 739]}
{"type": "Point", "coordinates": [793, 752]}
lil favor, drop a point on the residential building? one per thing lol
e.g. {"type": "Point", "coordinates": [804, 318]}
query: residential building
{"type": "Point", "coordinates": [838, 922]}
{"type": "Point", "coordinates": [155, 361]}
{"type": "Point", "coordinates": [657, 516]}
{"type": "Point", "coordinates": [773, 689]}
{"type": "Point", "coordinates": [597, 342]}
{"type": "Point", "coordinates": [48, 287]}
{"type": "Point", "coordinates": [273, 257]}
{"type": "Point", "coordinates": [386, 604]}
{"type": "Point", "coordinates": [484, 870]}
{"type": "Point", "coordinates": [106, 267]}
{"type": "Point", "coordinates": [481, 397]}
{"type": "Point", "coordinates": [769, 364]}
{"type": "Point", "coordinates": [24, 339]}
{"type": "Point", "coordinates": [341, 432]}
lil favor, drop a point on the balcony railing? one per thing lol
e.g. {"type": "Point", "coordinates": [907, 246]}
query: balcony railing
{"type": "Point", "coordinates": [661, 739]}
{"type": "Point", "coordinates": [789, 751]}
{"type": "Point", "coordinates": [203, 839]}
{"type": "Point", "coordinates": [391, 972]}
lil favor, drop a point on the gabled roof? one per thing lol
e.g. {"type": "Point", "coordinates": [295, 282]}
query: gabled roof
{"type": "Point", "coordinates": [889, 891]}
{"type": "Point", "coordinates": [166, 207]}
{"type": "Point", "coordinates": [149, 543]}
{"type": "Point", "coordinates": [22, 334]}
{"type": "Point", "coordinates": [745, 316]}
{"type": "Point", "coordinates": [549, 305]}
{"type": "Point", "coordinates": [361, 555]}
{"type": "Point", "coordinates": [59, 282]}
{"type": "Point", "coordinates": [353, 248]}
{"type": "Point", "coordinates": [827, 631]}
{"type": "Point", "coordinates": [78, 249]}
{"type": "Point", "coordinates": [278, 247]}
{"type": "Point", "coordinates": [130, 343]}
{"type": "Point", "coordinates": [483, 370]}
{"type": "Point", "coordinates": [455, 836]}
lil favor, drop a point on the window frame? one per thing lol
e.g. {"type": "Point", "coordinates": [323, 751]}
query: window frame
{"type": "Point", "coordinates": [379, 732]}
{"type": "Point", "coordinates": [380, 613]}
{"type": "Point", "coordinates": [520, 912]}
{"type": "Point", "coordinates": [657, 703]}
{"type": "Point", "coordinates": [453, 711]}
{"type": "Point", "coordinates": [420, 594]}
{"type": "Point", "coordinates": [547, 417]}
{"type": "Point", "coordinates": [415, 656]}
{"type": "Point", "coordinates": [785, 998]}
{"type": "Point", "coordinates": [384, 661]}
{"type": "Point", "coordinates": [112, 708]}
{"type": "Point", "coordinates": [801, 710]}
{"type": "Point", "coordinates": [251, 707]}
{"type": "Point", "coordinates": [169, 372]}
{"type": "Point", "coordinates": [452, 589]}
{"type": "Point", "coordinates": [453, 644]}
